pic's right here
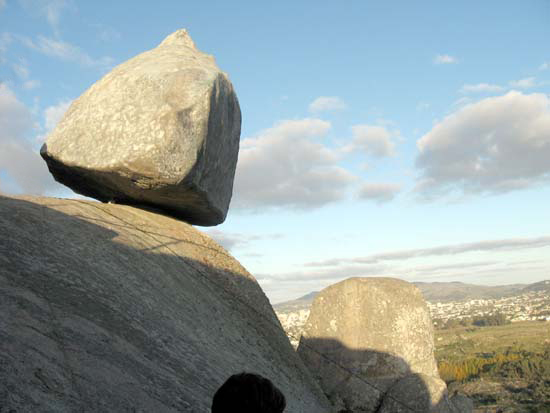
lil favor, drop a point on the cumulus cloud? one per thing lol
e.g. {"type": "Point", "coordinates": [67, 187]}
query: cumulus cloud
{"type": "Point", "coordinates": [526, 83]}
{"type": "Point", "coordinates": [64, 51]}
{"type": "Point", "coordinates": [442, 59]}
{"type": "Point", "coordinates": [481, 88]}
{"type": "Point", "coordinates": [327, 103]}
{"type": "Point", "coordinates": [230, 240]}
{"type": "Point", "coordinates": [18, 158]}
{"type": "Point", "coordinates": [287, 166]}
{"type": "Point", "coordinates": [513, 244]}
{"type": "Point", "coordinates": [379, 192]}
{"type": "Point", "coordinates": [496, 145]}
{"type": "Point", "coordinates": [373, 140]}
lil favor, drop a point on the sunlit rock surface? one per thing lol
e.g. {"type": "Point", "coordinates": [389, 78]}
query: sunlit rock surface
{"type": "Point", "coordinates": [110, 308]}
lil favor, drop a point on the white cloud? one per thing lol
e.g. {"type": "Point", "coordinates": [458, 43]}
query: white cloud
{"type": "Point", "coordinates": [18, 158]}
{"type": "Point", "coordinates": [53, 114]}
{"type": "Point", "coordinates": [230, 240]}
{"type": "Point", "coordinates": [106, 33]}
{"type": "Point", "coordinates": [464, 100]}
{"type": "Point", "coordinates": [50, 9]}
{"type": "Point", "coordinates": [445, 263]}
{"type": "Point", "coordinates": [64, 51]}
{"type": "Point", "coordinates": [53, 9]}
{"type": "Point", "coordinates": [333, 273]}
{"type": "Point", "coordinates": [21, 70]}
{"type": "Point", "coordinates": [56, 47]}
{"type": "Point", "coordinates": [513, 244]}
{"type": "Point", "coordinates": [544, 66]}
{"type": "Point", "coordinates": [327, 103]}
{"type": "Point", "coordinates": [2, 4]}
{"type": "Point", "coordinates": [31, 84]}
{"type": "Point", "coordinates": [15, 118]}
{"type": "Point", "coordinates": [285, 167]}
{"type": "Point", "coordinates": [372, 140]}
{"type": "Point", "coordinates": [444, 59]}
{"type": "Point", "coordinates": [23, 73]}
{"type": "Point", "coordinates": [5, 40]}
{"type": "Point", "coordinates": [378, 192]}
{"type": "Point", "coordinates": [526, 83]}
{"type": "Point", "coordinates": [498, 144]}
{"type": "Point", "coordinates": [481, 88]}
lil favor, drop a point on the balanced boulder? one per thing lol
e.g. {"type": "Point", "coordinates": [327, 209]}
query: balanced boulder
{"type": "Point", "coordinates": [363, 336]}
{"type": "Point", "coordinates": [160, 131]}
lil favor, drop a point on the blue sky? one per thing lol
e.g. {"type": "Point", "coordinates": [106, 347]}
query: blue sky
{"type": "Point", "coordinates": [395, 138]}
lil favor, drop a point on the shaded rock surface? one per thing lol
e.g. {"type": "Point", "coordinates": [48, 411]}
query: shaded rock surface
{"type": "Point", "coordinates": [422, 393]}
{"type": "Point", "coordinates": [112, 308]}
{"type": "Point", "coordinates": [363, 336]}
{"type": "Point", "coordinates": [159, 131]}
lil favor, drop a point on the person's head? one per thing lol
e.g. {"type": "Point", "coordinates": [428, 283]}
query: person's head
{"type": "Point", "coordinates": [248, 393]}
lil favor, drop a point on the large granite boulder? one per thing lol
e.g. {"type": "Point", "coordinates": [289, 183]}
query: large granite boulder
{"type": "Point", "coordinates": [109, 308]}
{"type": "Point", "coordinates": [363, 335]}
{"type": "Point", "coordinates": [159, 131]}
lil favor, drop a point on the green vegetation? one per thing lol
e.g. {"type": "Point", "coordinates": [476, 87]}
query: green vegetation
{"type": "Point", "coordinates": [503, 366]}
{"type": "Point", "coordinates": [496, 319]}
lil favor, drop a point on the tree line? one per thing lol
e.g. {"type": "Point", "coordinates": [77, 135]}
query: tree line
{"type": "Point", "coordinates": [496, 319]}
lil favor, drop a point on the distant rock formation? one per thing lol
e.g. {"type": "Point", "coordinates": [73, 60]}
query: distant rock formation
{"type": "Point", "coordinates": [159, 131]}
{"type": "Point", "coordinates": [109, 308]}
{"type": "Point", "coordinates": [369, 342]}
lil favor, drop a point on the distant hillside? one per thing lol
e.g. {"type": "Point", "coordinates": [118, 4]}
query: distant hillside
{"type": "Point", "coordinates": [540, 286]}
{"type": "Point", "coordinates": [458, 291]}
{"type": "Point", "coordinates": [440, 291]}
{"type": "Point", "coordinates": [297, 304]}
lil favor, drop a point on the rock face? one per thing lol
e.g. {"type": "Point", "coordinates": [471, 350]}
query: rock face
{"type": "Point", "coordinates": [365, 335]}
{"type": "Point", "coordinates": [159, 131]}
{"type": "Point", "coordinates": [109, 308]}
{"type": "Point", "coordinates": [418, 392]}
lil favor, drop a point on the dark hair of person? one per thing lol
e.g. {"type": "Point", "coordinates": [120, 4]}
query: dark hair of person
{"type": "Point", "coordinates": [248, 393]}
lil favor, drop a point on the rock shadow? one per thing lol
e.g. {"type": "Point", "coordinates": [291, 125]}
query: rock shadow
{"type": "Point", "coordinates": [111, 308]}
{"type": "Point", "coordinates": [366, 380]}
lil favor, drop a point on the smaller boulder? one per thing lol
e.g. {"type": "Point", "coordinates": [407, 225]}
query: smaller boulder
{"type": "Point", "coordinates": [364, 335]}
{"type": "Point", "coordinates": [462, 403]}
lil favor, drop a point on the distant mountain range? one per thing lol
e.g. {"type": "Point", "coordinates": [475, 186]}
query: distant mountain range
{"type": "Point", "coordinates": [440, 292]}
